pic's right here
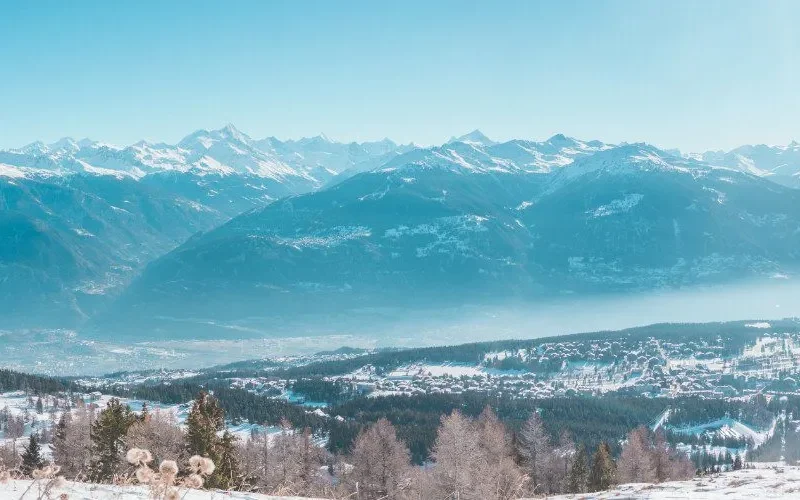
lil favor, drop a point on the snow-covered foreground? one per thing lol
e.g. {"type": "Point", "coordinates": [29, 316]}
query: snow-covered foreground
{"type": "Point", "coordinates": [89, 491]}
{"type": "Point", "coordinates": [768, 482]}
{"type": "Point", "coordinates": [771, 482]}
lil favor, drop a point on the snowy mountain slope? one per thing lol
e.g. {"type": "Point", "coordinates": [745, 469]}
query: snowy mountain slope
{"type": "Point", "coordinates": [80, 218]}
{"type": "Point", "coordinates": [455, 225]}
{"type": "Point", "coordinates": [374, 223]}
{"type": "Point", "coordinates": [304, 164]}
{"type": "Point", "coordinates": [634, 216]}
{"type": "Point", "coordinates": [226, 151]}
{"type": "Point", "coordinates": [327, 158]}
{"type": "Point", "coordinates": [375, 237]}
{"type": "Point", "coordinates": [475, 137]}
{"type": "Point", "coordinates": [545, 156]}
{"type": "Point", "coordinates": [780, 164]}
{"type": "Point", "coordinates": [484, 155]}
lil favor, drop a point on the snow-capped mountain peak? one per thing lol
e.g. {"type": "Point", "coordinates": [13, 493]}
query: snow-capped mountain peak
{"type": "Point", "coordinates": [781, 164]}
{"type": "Point", "coordinates": [475, 137]}
{"type": "Point", "coordinates": [231, 132]}
{"type": "Point", "coordinates": [561, 140]}
{"type": "Point", "coordinates": [65, 144]}
{"type": "Point", "coordinates": [629, 159]}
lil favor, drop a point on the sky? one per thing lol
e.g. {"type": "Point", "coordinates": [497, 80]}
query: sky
{"type": "Point", "coordinates": [695, 75]}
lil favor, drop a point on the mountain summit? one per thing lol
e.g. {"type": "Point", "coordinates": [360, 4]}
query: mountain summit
{"type": "Point", "coordinates": [474, 137]}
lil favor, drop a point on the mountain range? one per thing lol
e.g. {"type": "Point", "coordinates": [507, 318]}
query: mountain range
{"type": "Point", "coordinates": [221, 226]}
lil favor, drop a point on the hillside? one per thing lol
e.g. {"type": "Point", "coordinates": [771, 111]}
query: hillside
{"type": "Point", "coordinates": [81, 218]}
{"type": "Point", "coordinates": [456, 225]}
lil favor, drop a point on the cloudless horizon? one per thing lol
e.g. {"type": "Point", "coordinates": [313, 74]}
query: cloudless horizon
{"type": "Point", "coordinates": [685, 74]}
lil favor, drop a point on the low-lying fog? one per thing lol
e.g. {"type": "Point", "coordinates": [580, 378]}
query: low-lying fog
{"type": "Point", "coordinates": [67, 352]}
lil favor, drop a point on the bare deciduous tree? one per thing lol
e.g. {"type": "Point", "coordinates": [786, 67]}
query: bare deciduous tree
{"type": "Point", "coordinates": [535, 449]}
{"type": "Point", "coordinates": [636, 462]}
{"type": "Point", "coordinates": [160, 434]}
{"type": "Point", "coordinates": [72, 447]}
{"type": "Point", "coordinates": [381, 462]}
{"type": "Point", "coordinates": [458, 458]}
{"type": "Point", "coordinates": [503, 477]}
{"type": "Point", "coordinates": [284, 464]}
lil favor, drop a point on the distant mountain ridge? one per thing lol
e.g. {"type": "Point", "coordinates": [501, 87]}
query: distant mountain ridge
{"type": "Point", "coordinates": [314, 161]}
{"type": "Point", "coordinates": [226, 151]}
{"type": "Point", "coordinates": [265, 224]}
{"type": "Point", "coordinates": [779, 164]}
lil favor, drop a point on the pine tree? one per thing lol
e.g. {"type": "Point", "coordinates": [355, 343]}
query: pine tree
{"type": "Point", "coordinates": [32, 456]}
{"type": "Point", "coordinates": [603, 470]}
{"type": "Point", "coordinates": [205, 419]}
{"type": "Point", "coordinates": [226, 475]}
{"type": "Point", "coordinates": [61, 428]}
{"type": "Point", "coordinates": [737, 462]}
{"type": "Point", "coordinates": [39, 405]}
{"type": "Point", "coordinates": [108, 439]}
{"type": "Point", "coordinates": [578, 477]}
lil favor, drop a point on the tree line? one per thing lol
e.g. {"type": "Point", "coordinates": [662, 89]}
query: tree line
{"type": "Point", "coordinates": [471, 457]}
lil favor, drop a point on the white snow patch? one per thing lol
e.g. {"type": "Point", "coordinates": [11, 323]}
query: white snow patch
{"type": "Point", "coordinates": [770, 481]}
{"type": "Point", "coordinates": [11, 171]}
{"type": "Point", "coordinates": [92, 491]}
{"type": "Point", "coordinates": [617, 206]}
{"type": "Point", "coordinates": [524, 205]}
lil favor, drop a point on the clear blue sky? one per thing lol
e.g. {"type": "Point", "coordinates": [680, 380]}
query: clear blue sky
{"type": "Point", "coordinates": [695, 75]}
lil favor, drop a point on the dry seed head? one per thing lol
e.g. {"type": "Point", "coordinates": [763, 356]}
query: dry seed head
{"type": "Point", "coordinates": [207, 468]}
{"type": "Point", "coordinates": [168, 468]}
{"type": "Point", "coordinates": [133, 456]}
{"type": "Point", "coordinates": [195, 463]}
{"type": "Point", "coordinates": [194, 481]}
{"type": "Point", "coordinates": [144, 474]}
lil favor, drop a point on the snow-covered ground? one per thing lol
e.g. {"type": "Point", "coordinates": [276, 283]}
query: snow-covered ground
{"type": "Point", "coordinates": [768, 482]}
{"type": "Point", "coordinates": [771, 481]}
{"type": "Point", "coordinates": [89, 491]}
{"type": "Point", "coordinates": [728, 428]}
